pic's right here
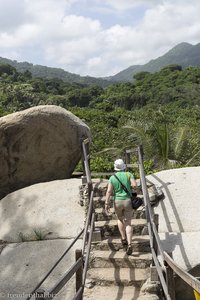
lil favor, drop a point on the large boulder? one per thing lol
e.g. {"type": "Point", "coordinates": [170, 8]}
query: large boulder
{"type": "Point", "coordinates": [179, 226]}
{"type": "Point", "coordinates": [50, 209]}
{"type": "Point", "coordinates": [39, 144]}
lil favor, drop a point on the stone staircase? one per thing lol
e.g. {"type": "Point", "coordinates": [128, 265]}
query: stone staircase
{"type": "Point", "coordinates": [112, 274]}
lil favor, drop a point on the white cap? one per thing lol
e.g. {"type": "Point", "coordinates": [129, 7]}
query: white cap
{"type": "Point", "coordinates": [119, 165]}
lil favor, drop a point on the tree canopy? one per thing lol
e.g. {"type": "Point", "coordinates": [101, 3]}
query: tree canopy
{"type": "Point", "coordinates": [160, 110]}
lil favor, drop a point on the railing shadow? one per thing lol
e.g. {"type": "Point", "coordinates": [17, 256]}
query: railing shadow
{"type": "Point", "coordinates": [175, 239]}
{"type": "Point", "coordinates": [33, 241]}
{"type": "Point", "coordinates": [119, 283]}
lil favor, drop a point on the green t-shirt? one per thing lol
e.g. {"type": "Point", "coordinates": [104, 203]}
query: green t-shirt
{"type": "Point", "coordinates": [124, 177]}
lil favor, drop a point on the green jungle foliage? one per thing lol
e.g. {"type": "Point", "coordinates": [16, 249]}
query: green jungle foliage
{"type": "Point", "coordinates": [160, 111]}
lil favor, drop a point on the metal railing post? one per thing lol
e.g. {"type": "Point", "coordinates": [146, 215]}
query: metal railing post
{"type": "Point", "coordinates": [155, 245]}
{"type": "Point", "coordinates": [47, 275]}
{"type": "Point", "coordinates": [86, 161]}
{"type": "Point", "coordinates": [128, 159]}
{"type": "Point", "coordinates": [144, 186]}
{"type": "Point", "coordinates": [152, 223]}
{"type": "Point", "coordinates": [40, 294]}
{"type": "Point", "coordinates": [170, 280]}
{"type": "Point", "coordinates": [79, 273]}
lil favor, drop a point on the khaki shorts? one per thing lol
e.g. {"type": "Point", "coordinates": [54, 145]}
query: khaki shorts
{"type": "Point", "coordinates": [123, 209]}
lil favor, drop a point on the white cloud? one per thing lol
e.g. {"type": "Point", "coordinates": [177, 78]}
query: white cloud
{"type": "Point", "coordinates": [82, 44]}
{"type": "Point", "coordinates": [124, 5]}
{"type": "Point", "coordinates": [172, 24]}
{"type": "Point", "coordinates": [12, 14]}
{"type": "Point", "coordinates": [77, 26]}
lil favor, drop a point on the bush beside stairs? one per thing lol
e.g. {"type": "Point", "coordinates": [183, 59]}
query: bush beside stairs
{"type": "Point", "coordinates": [112, 274]}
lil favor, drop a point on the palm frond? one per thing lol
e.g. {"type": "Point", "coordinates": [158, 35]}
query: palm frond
{"type": "Point", "coordinates": [192, 158]}
{"type": "Point", "coordinates": [180, 137]}
{"type": "Point", "coordinates": [111, 150]}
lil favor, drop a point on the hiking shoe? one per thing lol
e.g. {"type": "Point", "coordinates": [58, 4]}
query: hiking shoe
{"type": "Point", "coordinates": [124, 242]}
{"type": "Point", "coordinates": [129, 250]}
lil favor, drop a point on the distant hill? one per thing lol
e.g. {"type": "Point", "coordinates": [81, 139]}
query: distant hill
{"type": "Point", "coordinates": [183, 54]}
{"type": "Point", "coordinates": [48, 72]}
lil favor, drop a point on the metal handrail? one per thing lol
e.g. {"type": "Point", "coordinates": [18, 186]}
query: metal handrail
{"type": "Point", "coordinates": [85, 160]}
{"type": "Point", "coordinates": [151, 225]}
{"type": "Point", "coordinates": [65, 278]}
{"type": "Point", "coordinates": [80, 262]}
{"type": "Point", "coordinates": [187, 277]}
{"type": "Point", "coordinates": [57, 262]}
{"type": "Point", "coordinates": [90, 214]}
{"type": "Point", "coordinates": [87, 222]}
{"type": "Point", "coordinates": [87, 239]}
{"type": "Point", "coordinates": [154, 236]}
{"type": "Point", "coordinates": [90, 220]}
{"type": "Point", "coordinates": [84, 259]}
{"type": "Point", "coordinates": [160, 274]}
{"type": "Point", "coordinates": [79, 293]}
{"type": "Point", "coordinates": [88, 249]}
{"type": "Point", "coordinates": [81, 289]}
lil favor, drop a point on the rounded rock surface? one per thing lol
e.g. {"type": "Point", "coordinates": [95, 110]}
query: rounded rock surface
{"type": "Point", "coordinates": [39, 144]}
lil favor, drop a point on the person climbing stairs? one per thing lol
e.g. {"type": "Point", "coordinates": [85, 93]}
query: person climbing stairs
{"type": "Point", "coordinates": [112, 273]}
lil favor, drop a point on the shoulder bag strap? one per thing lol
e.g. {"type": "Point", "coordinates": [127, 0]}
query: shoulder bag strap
{"type": "Point", "coordinates": [123, 186]}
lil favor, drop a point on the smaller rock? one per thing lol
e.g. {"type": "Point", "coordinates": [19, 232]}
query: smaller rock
{"type": "Point", "coordinates": [89, 284]}
{"type": "Point", "coordinates": [155, 194]}
{"type": "Point", "coordinates": [144, 231]}
{"type": "Point", "coordinates": [151, 287]}
{"type": "Point", "coordinates": [148, 297]}
{"type": "Point", "coordinates": [2, 245]}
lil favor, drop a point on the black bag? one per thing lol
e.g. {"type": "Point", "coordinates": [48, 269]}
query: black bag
{"type": "Point", "coordinates": [135, 201]}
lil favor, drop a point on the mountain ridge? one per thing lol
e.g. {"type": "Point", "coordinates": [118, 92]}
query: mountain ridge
{"type": "Point", "coordinates": [51, 73]}
{"type": "Point", "coordinates": [184, 54]}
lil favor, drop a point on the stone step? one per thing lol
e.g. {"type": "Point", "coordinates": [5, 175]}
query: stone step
{"type": "Point", "coordinates": [118, 276]}
{"type": "Point", "coordinates": [111, 292]}
{"type": "Point", "coordinates": [119, 259]}
{"type": "Point", "coordinates": [101, 215]}
{"type": "Point", "coordinates": [99, 187]}
{"type": "Point", "coordinates": [109, 227]}
{"type": "Point", "coordinates": [99, 201]}
{"type": "Point", "coordinates": [139, 243]}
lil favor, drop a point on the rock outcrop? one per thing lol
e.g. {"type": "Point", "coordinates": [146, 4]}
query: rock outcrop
{"type": "Point", "coordinates": [179, 226]}
{"type": "Point", "coordinates": [39, 144]}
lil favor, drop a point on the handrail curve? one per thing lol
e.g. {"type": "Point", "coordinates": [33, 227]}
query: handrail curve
{"type": "Point", "coordinates": [162, 264]}
{"type": "Point", "coordinates": [154, 238]}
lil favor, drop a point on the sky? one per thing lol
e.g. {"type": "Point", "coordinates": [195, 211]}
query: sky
{"type": "Point", "coordinates": [95, 37]}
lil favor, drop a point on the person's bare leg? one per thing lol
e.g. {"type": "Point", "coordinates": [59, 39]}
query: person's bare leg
{"type": "Point", "coordinates": [121, 227]}
{"type": "Point", "coordinates": [129, 231]}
